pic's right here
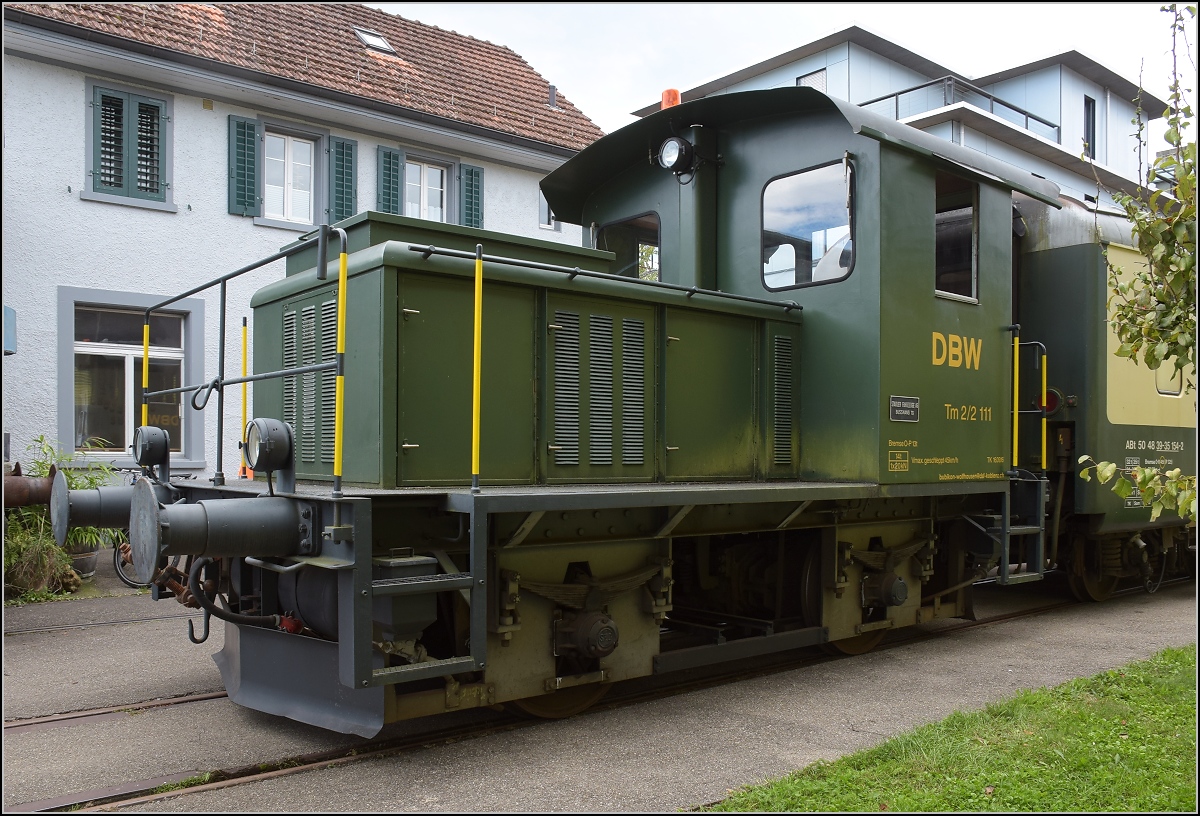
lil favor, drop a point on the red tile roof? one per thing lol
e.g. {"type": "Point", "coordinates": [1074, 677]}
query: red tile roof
{"type": "Point", "coordinates": [435, 72]}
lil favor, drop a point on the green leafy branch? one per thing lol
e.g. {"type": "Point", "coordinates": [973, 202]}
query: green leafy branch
{"type": "Point", "coordinates": [1160, 490]}
{"type": "Point", "coordinates": [1152, 310]}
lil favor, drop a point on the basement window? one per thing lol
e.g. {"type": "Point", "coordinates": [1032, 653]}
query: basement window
{"type": "Point", "coordinates": [375, 40]}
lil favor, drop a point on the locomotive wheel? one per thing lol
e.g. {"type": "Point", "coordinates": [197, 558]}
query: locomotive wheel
{"type": "Point", "coordinates": [859, 644]}
{"type": "Point", "coordinates": [810, 583]}
{"type": "Point", "coordinates": [562, 703]}
{"type": "Point", "coordinates": [1091, 588]}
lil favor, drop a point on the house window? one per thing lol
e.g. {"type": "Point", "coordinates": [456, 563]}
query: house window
{"type": "Point", "coordinates": [373, 39]}
{"type": "Point", "coordinates": [814, 80]}
{"type": "Point", "coordinates": [100, 381]}
{"type": "Point", "coordinates": [546, 219]}
{"type": "Point", "coordinates": [288, 181]}
{"type": "Point", "coordinates": [128, 148]}
{"type": "Point", "coordinates": [1089, 127]}
{"type": "Point", "coordinates": [288, 176]}
{"type": "Point", "coordinates": [807, 223]}
{"type": "Point", "coordinates": [956, 237]}
{"type": "Point", "coordinates": [419, 188]}
{"type": "Point", "coordinates": [424, 190]}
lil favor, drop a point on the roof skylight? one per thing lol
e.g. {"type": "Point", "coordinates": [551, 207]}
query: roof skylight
{"type": "Point", "coordinates": [373, 39]}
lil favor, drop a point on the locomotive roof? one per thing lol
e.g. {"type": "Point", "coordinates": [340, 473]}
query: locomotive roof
{"type": "Point", "coordinates": [568, 187]}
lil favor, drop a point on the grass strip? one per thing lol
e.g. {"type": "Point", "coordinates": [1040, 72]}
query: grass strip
{"type": "Point", "coordinates": [1123, 740]}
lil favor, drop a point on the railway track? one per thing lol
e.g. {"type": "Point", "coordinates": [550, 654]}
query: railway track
{"type": "Point", "coordinates": [149, 791]}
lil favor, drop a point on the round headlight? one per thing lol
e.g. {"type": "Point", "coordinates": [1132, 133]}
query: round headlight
{"type": "Point", "coordinates": [676, 155]}
{"type": "Point", "coordinates": [151, 445]}
{"type": "Point", "coordinates": [268, 445]}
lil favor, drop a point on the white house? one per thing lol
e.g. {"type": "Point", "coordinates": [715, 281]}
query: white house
{"type": "Point", "coordinates": [151, 148]}
{"type": "Point", "coordinates": [1066, 117]}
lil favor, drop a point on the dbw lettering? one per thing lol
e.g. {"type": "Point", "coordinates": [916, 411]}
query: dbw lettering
{"type": "Point", "coordinates": [956, 352]}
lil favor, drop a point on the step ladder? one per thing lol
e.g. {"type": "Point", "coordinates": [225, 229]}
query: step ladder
{"type": "Point", "coordinates": [1022, 516]}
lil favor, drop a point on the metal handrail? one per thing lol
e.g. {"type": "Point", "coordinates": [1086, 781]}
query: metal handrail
{"type": "Point", "coordinates": [320, 240]}
{"type": "Point", "coordinates": [949, 85]}
{"type": "Point", "coordinates": [574, 271]}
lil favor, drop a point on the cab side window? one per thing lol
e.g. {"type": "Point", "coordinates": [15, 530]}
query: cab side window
{"type": "Point", "coordinates": [956, 240]}
{"type": "Point", "coordinates": [807, 223]}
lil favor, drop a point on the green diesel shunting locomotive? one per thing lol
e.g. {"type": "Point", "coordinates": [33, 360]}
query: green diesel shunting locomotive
{"type": "Point", "coordinates": [851, 384]}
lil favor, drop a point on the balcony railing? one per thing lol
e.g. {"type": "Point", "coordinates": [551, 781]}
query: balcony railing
{"type": "Point", "coordinates": [947, 91]}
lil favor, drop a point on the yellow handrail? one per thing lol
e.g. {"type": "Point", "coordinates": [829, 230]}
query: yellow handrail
{"type": "Point", "coordinates": [340, 388]}
{"type": "Point", "coordinates": [145, 371]}
{"type": "Point", "coordinates": [477, 362]}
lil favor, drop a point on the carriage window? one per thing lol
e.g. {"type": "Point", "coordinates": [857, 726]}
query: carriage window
{"type": "Point", "coordinates": [635, 242]}
{"type": "Point", "coordinates": [807, 236]}
{"type": "Point", "coordinates": [956, 239]}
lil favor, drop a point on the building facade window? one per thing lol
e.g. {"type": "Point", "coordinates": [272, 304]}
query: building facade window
{"type": "Point", "coordinates": [100, 372]}
{"type": "Point", "coordinates": [817, 79]}
{"type": "Point", "coordinates": [108, 376]}
{"type": "Point", "coordinates": [546, 219]}
{"type": "Point", "coordinates": [284, 175]}
{"type": "Point", "coordinates": [129, 137]}
{"type": "Point", "coordinates": [288, 181]}
{"type": "Point", "coordinates": [424, 190]}
{"type": "Point", "coordinates": [1089, 127]}
{"type": "Point", "coordinates": [422, 187]}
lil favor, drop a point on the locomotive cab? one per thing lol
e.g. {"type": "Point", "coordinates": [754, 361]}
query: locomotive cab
{"type": "Point", "coordinates": [876, 230]}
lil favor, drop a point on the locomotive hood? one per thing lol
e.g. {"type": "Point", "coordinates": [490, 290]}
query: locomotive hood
{"type": "Point", "coordinates": [569, 186]}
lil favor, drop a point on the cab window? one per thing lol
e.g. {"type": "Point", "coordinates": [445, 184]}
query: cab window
{"type": "Point", "coordinates": [807, 222]}
{"type": "Point", "coordinates": [956, 238]}
{"type": "Point", "coordinates": [635, 242]}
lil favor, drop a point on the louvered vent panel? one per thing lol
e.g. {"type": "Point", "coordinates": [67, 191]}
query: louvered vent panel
{"type": "Point", "coordinates": [600, 370]}
{"type": "Point", "coordinates": [289, 361]}
{"type": "Point", "coordinates": [328, 378]}
{"type": "Point", "coordinates": [783, 400]}
{"type": "Point", "coordinates": [566, 388]}
{"type": "Point", "coordinates": [633, 392]}
{"type": "Point", "coordinates": [308, 385]}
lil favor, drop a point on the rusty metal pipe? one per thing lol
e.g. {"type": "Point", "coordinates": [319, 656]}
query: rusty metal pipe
{"type": "Point", "coordinates": [25, 491]}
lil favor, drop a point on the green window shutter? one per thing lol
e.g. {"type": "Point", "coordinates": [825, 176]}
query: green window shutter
{"type": "Point", "coordinates": [470, 196]}
{"type": "Point", "coordinates": [245, 166]}
{"type": "Point", "coordinates": [343, 185]}
{"type": "Point", "coordinates": [109, 144]}
{"type": "Point", "coordinates": [147, 121]}
{"type": "Point", "coordinates": [389, 176]}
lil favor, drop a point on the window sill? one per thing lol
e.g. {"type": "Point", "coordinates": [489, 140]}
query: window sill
{"type": "Point", "coordinates": [140, 203]}
{"type": "Point", "coordinates": [294, 226]}
{"type": "Point", "coordinates": [126, 462]}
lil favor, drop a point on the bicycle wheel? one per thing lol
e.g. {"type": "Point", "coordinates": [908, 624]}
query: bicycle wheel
{"type": "Point", "coordinates": [125, 570]}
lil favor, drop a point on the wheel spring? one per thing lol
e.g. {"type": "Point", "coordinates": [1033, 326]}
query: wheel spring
{"type": "Point", "coordinates": [1110, 555]}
